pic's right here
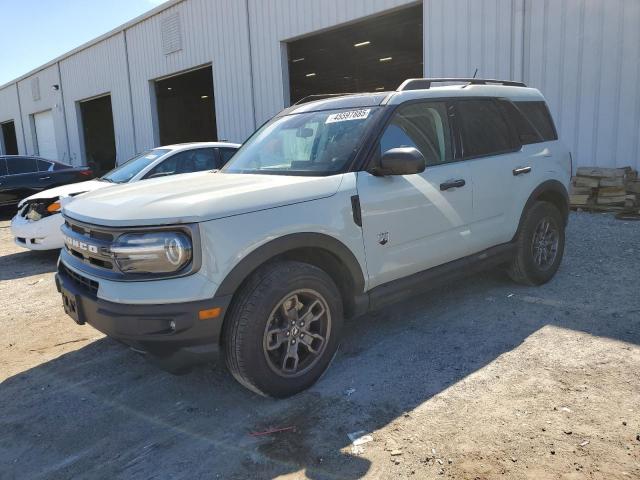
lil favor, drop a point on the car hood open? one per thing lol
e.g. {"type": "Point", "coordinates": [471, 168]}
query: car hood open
{"type": "Point", "coordinates": [66, 190]}
{"type": "Point", "coordinates": [196, 197]}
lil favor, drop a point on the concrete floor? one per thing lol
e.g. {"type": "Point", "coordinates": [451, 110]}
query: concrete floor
{"type": "Point", "coordinates": [483, 379]}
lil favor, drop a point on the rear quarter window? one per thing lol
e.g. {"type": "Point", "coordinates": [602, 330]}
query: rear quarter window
{"type": "Point", "coordinates": [526, 131]}
{"type": "Point", "coordinates": [538, 114]}
{"type": "Point", "coordinates": [225, 155]}
{"type": "Point", "coordinates": [44, 166]}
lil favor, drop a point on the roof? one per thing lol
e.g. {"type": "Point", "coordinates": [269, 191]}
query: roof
{"type": "Point", "coordinates": [140, 18]}
{"type": "Point", "coordinates": [348, 100]}
{"type": "Point", "coordinates": [189, 145]}
{"type": "Point", "coordinates": [452, 91]}
{"type": "Point", "coordinates": [363, 100]}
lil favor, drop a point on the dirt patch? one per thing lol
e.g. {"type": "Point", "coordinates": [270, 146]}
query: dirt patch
{"type": "Point", "coordinates": [480, 380]}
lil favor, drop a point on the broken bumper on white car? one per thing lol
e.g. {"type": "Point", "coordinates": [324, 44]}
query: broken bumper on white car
{"type": "Point", "coordinates": [43, 234]}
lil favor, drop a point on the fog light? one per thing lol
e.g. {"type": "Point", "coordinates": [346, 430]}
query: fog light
{"type": "Point", "coordinates": [172, 325]}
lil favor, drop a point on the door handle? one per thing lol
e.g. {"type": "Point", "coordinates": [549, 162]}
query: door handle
{"type": "Point", "coordinates": [521, 170]}
{"type": "Point", "coordinates": [44, 178]}
{"type": "Point", "coordinates": [452, 184]}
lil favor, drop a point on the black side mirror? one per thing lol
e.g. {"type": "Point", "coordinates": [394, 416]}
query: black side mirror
{"type": "Point", "coordinates": [400, 161]}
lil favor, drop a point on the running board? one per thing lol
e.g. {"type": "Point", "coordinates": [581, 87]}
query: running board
{"type": "Point", "coordinates": [396, 290]}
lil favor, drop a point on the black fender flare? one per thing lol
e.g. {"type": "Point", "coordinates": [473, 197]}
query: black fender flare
{"type": "Point", "coordinates": [288, 243]}
{"type": "Point", "coordinates": [548, 187]}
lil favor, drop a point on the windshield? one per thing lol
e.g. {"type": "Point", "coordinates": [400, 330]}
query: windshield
{"type": "Point", "coordinates": [131, 168]}
{"type": "Point", "coordinates": [312, 143]}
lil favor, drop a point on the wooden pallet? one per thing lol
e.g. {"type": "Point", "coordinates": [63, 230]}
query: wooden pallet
{"type": "Point", "coordinates": [599, 189]}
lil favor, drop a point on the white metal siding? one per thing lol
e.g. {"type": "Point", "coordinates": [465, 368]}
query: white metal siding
{"type": "Point", "coordinates": [584, 56]}
{"type": "Point", "coordinates": [275, 21]}
{"type": "Point", "coordinates": [10, 110]}
{"type": "Point", "coordinates": [49, 100]}
{"type": "Point", "coordinates": [213, 32]}
{"type": "Point", "coordinates": [96, 71]}
{"type": "Point", "coordinates": [45, 135]}
{"type": "Point", "coordinates": [462, 35]}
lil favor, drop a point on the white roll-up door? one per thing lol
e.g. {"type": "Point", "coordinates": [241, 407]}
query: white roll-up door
{"type": "Point", "coordinates": [45, 135]}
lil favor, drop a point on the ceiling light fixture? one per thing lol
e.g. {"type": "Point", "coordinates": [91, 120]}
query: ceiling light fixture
{"type": "Point", "coordinates": [169, 88]}
{"type": "Point", "coordinates": [310, 74]}
{"type": "Point", "coordinates": [296, 60]}
{"type": "Point", "coordinates": [362, 44]}
{"type": "Point", "coordinates": [204, 96]}
{"type": "Point", "coordinates": [380, 88]}
{"type": "Point", "coordinates": [386, 59]}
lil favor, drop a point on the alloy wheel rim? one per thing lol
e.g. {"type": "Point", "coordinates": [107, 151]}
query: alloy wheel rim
{"type": "Point", "coordinates": [544, 246]}
{"type": "Point", "coordinates": [297, 333]}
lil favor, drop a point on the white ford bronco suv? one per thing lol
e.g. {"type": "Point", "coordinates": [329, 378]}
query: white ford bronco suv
{"type": "Point", "coordinates": [335, 206]}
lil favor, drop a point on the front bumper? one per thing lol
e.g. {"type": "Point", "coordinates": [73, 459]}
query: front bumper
{"type": "Point", "coordinates": [148, 329]}
{"type": "Point", "coordinates": [44, 234]}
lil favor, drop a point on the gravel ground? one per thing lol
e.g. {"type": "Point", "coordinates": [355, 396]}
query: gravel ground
{"type": "Point", "coordinates": [480, 380]}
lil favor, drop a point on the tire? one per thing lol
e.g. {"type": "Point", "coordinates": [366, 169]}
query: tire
{"type": "Point", "coordinates": [526, 267]}
{"type": "Point", "coordinates": [263, 350]}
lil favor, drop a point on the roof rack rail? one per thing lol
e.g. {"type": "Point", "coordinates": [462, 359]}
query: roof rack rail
{"type": "Point", "coordinates": [425, 83]}
{"type": "Point", "coordinates": [321, 96]}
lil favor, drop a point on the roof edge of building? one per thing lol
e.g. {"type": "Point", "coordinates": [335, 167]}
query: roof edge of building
{"type": "Point", "coordinates": [119, 29]}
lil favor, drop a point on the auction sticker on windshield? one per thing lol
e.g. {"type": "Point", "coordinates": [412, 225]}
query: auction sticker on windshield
{"type": "Point", "coordinates": [349, 115]}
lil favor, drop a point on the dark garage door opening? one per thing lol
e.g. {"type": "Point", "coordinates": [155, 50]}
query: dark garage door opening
{"type": "Point", "coordinates": [374, 54]}
{"type": "Point", "coordinates": [186, 109]}
{"type": "Point", "coordinates": [98, 134]}
{"type": "Point", "coordinates": [9, 138]}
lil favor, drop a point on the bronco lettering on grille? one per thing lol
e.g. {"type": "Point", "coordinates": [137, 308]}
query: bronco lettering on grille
{"type": "Point", "coordinates": [78, 245]}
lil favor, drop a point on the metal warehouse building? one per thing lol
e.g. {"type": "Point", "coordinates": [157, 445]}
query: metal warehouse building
{"type": "Point", "coordinates": [216, 69]}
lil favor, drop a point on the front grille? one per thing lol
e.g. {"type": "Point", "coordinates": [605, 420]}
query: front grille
{"type": "Point", "coordinates": [89, 231]}
{"type": "Point", "coordinates": [89, 284]}
{"type": "Point", "coordinates": [89, 244]}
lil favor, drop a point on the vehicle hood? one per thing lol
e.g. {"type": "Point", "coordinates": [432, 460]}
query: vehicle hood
{"type": "Point", "coordinates": [70, 189]}
{"type": "Point", "coordinates": [196, 197]}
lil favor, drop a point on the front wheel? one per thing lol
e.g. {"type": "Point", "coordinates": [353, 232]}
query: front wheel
{"type": "Point", "coordinates": [283, 328]}
{"type": "Point", "coordinates": [540, 245]}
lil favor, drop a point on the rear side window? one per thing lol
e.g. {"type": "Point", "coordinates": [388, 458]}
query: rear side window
{"type": "Point", "coordinates": [484, 129]}
{"type": "Point", "coordinates": [225, 155]}
{"type": "Point", "coordinates": [44, 166]}
{"type": "Point", "coordinates": [187, 161]}
{"type": "Point", "coordinates": [538, 114]}
{"type": "Point", "coordinates": [527, 132]}
{"type": "Point", "coordinates": [21, 165]}
{"type": "Point", "coordinates": [424, 126]}
{"type": "Point", "coordinates": [201, 159]}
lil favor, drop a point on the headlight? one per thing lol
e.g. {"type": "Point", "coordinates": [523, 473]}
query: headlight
{"type": "Point", "coordinates": [159, 252]}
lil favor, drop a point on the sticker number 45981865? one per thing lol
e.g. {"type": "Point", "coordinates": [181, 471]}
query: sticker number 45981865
{"type": "Point", "coordinates": [348, 115]}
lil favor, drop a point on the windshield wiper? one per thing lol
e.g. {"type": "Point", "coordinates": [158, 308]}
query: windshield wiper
{"type": "Point", "coordinates": [103, 179]}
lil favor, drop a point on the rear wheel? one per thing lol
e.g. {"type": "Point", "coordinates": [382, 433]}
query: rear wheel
{"type": "Point", "coordinates": [283, 328]}
{"type": "Point", "coordinates": [540, 245]}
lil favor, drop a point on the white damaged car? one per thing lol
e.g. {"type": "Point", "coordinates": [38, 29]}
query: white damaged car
{"type": "Point", "coordinates": [37, 224]}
